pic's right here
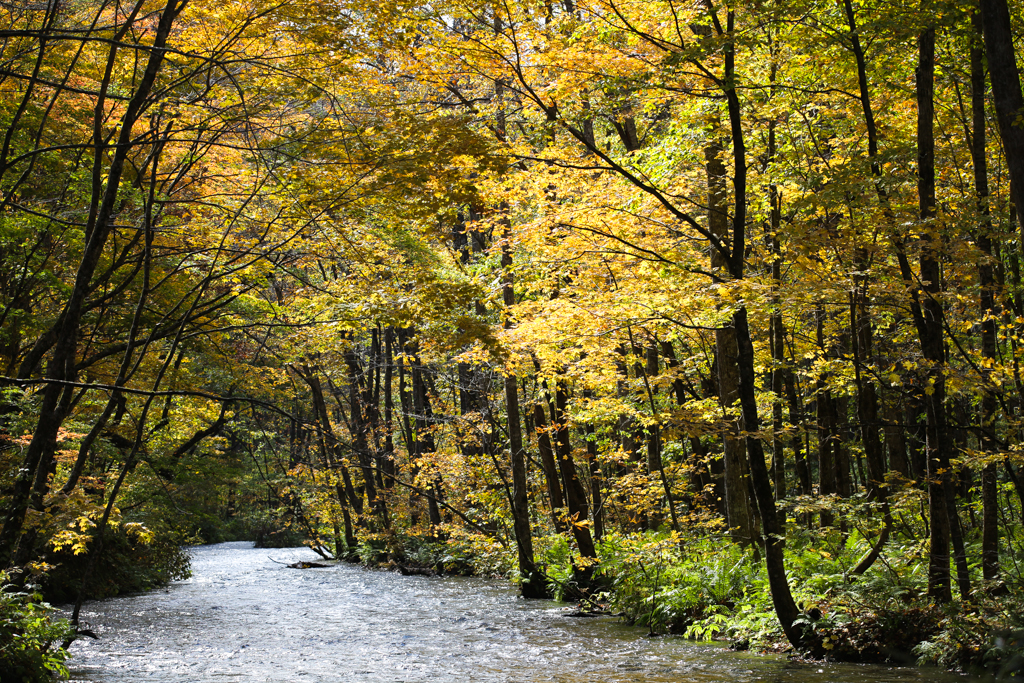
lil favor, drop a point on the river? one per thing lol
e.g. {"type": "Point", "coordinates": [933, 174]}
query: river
{"type": "Point", "coordinates": [242, 617]}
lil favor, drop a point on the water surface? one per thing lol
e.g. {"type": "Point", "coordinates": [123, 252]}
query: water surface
{"type": "Point", "coordinates": [242, 617]}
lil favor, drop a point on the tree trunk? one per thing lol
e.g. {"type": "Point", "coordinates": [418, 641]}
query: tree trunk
{"type": "Point", "coordinates": [531, 581]}
{"type": "Point", "coordinates": [576, 497]}
{"type": "Point", "coordinates": [1006, 93]}
{"type": "Point", "coordinates": [942, 505]}
{"type": "Point", "coordinates": [867, 412]}
{"type": "Point", "coordinates": [776, 326]}
{"type": "Point", "coordinates": [412, 445]}
{"type": "Point", "coordinates": [774, 534]}
{"type": "Point", "coordinates": [828, 436]}
{"type": "Point", "coordinates": [424, 436]}
{"type": "Point", "coordinates": [388, 464]}
{"type": "Point", "coordinates": [704, 483]}
{"type": "Point", "coordinates": [596, 479]}
{"type": "Point", "coordinates": [990, 314]}
{"type": "Point", "coordinates": [655, 464]}
{"type": "Point", "coordinates": [796, 416]}
{"type": "Point", "coordinates": [547, 459]}
{"type": "Point", "coordinates": [739, 514]}
{"type": "Point", "coordinates": [360, 428]}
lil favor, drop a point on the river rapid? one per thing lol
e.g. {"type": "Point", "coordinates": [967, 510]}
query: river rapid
{"type": "Point", "coordinates": [242, 617]}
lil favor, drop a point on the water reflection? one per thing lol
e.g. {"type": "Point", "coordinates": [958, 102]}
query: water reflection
{"type": "Point", "coordinates": [243, 617]}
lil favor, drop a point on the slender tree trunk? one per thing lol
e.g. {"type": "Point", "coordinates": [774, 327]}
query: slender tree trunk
{"type": "Point", "coordinates": [796, 416]}
{"type": "Point", "coordinates": [988, 298]}
{"type": "Point", "coordinates": [532, 581]}
{"type": "Point", "coordinates": [412, 444]}
{"type": "Point", "coordinates": [651, 370]}
{"type": "Point", "coordinates": [896, 436]}
{"type": "Point", "coordinates": [776, 326]}
{"type": "Point", "coordinates": [930, 330]}
{"type": "Point", "coordinates": [388, 464]}
{"type": "Point", "coordinates": [655, 463]}
{"type": "Point", "coordinates": [328, 441]}
{"type": "Point", "coordinates": [774, 534]}
{"type": "Point", "coordinates": [625, 426]}
{"type": "Point", "coordinates": [596, 479]}
{"type": "Point", "coordinates": [739, 514]}
{"type": "Point", "coordinates": [374, 414]}
{"type": "Point", "coordinates": [576, 497]}
{"type": "Point", "coordinates": [360, 428]}
{"type": "Point", "coordinates": [1006, 93]}
{"type": "Point", "coordinates": [867, 413]}
{"type": "Point", "coordinates": [705, 483]}
{"type": "Point", "coordinates": [547, 459]}
{"type": "Point", "coordinates": [828, 436]}
{"type": "Point", "coordinates": [945, 526]}
{"type": "Point", "coordinates": [424, 436]}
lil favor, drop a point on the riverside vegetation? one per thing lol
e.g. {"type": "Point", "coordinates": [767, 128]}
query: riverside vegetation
{"type": "Point", "coordinates": [707, 314]}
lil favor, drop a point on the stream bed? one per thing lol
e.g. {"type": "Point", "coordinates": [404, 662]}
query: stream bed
{"type": "Point", "coordinates": [244, 617]}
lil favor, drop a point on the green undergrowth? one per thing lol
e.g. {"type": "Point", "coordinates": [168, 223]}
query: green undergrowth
{"type": "Point", "coordinates": [709, 588]}
{"type": "Point", "coordinates": [30, 636]}
{"type": "Point", "coordinates": [712, 589]}
{"type": "Point", "coordinates": [129, 563]}
{"type": "Point", "coordinates": [265, 530]}
{"type": "Point", "coordinates": [452, 551]}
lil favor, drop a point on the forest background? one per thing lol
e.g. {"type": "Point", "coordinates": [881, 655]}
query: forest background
{"type": "Point", "coordinates": [709, 313]}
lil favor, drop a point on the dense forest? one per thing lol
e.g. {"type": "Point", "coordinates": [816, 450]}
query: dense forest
{"type": "Point", "coordinates": [708, 314]}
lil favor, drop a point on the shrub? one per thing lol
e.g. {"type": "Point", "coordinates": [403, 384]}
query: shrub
{"type": "Point", "coordinates": [128, 562]}
{"type": "Point", "coordinates": [30, 637]}
{"type": "Point", "coordinates": [654, 585]}
{"type": "Point", "coordinates": [270, 530]}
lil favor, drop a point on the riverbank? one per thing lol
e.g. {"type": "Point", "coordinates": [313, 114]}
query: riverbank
{"type": "Point", "coordinates": [714, 591]}
{"type": "Point", "coordinates": [658, 584]}
{"type": "Point", "coordinates": [30, 636]}
{"type": "Point", "coordinates": [243, 617]}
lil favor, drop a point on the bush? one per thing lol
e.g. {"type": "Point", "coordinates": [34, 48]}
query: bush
{"type": "Point", "coordinates": [269, 530]}
{"type": "Point", "coordinates": [654, 586]}
{"type": "Point", "coordinates": [985, 636]}
{"type": "Point", "coordinates": [452, 556]}
{"type": "Point", "coordinates": [129, 562]}
{"type": "Point", "coordinates": [30, 638]}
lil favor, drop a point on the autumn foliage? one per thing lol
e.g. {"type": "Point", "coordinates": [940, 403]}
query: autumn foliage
{"type": "Point", "coordinates": [563, 291]}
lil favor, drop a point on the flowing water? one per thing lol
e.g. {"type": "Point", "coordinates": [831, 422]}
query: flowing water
{"type": "Point", "coordinates": [242, 617]}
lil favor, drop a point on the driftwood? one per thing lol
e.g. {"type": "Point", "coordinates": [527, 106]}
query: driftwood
{"type": "Point", "coordinates": [590, 612]}
{"type": "Point", "coordinates": [417, 571]}
{"type": "Point", "coordinates": [301, 565]}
